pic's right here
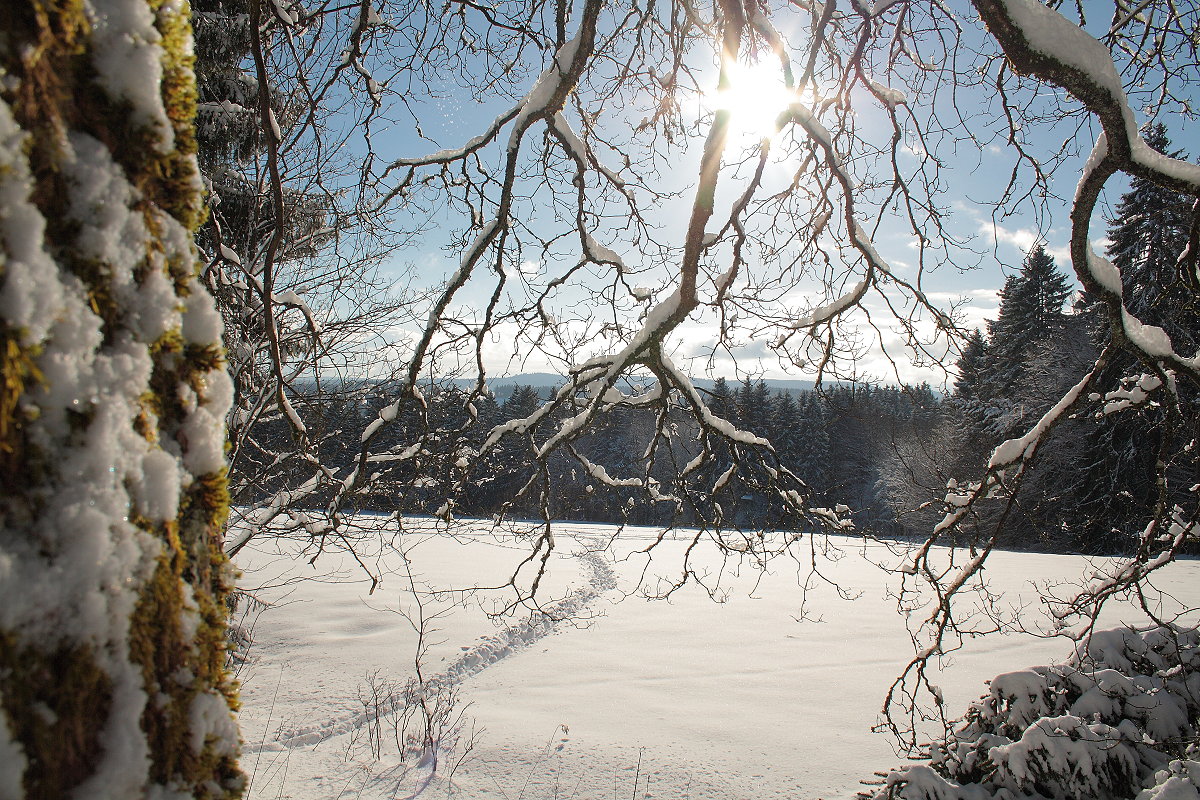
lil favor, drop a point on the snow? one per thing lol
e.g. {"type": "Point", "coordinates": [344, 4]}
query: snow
{"type": "Point", "coordinates": [28, 303]}
{"type": "Point", "coordinates": [1138, 392]}
{"type": "Point", "coordinates": [1056, 744]}
{"type": "Point", "coordinates": [452, 154]}
{"type": "Point", "coordinates": [578, 150]}
{"type": "Point", "coordinates": [386, 415]}
{"type": "Point", "coordinates": [1053, 35]}
{"type": "Point", "coordinates": [276, 133]}
{"type": "Point", "coordinates": [80, 559]}
{"type": "Point", "coordinates": [828, 311]}
{"type": "Point", "coordinates": [210, 715]}
{"type": "Point", "coordinates": [687, 698]}
{"type": "Point", "coordinates": [880, 6]}
{"type": "Point", "coordinates": [1179, 781]}
{"type": "Point", "coordinates": [226, 108]}
{"type": "Point", "coordinates": [599, 473]}
{"type": "Point", "coordinates": [539, 97]}
{"type": "Point", "coordinates": [656, 318]}
{"type": "Point", "coordinates": [128, 60]}
{"type": "Point", "coordinates": [109, 232]}
{"type": "Point", "coordinates": [1010, 451]}
{"type": "Point", "coordinates": [599, 252]}
{"type": "Point", "coordinates": [723, 426]}
{"type": "Point", "coordinates": [289, 297]}
{"type": "Point", "coordinates": [203, 429]}
{"type": "Point", "coordinates": [201, 320]}
{"type": "Point", "coordinates": [12, 763]}
{"type": "Point", "coordinates": [1150, 339]}
{"type": "Point", "coordinates": [470, 256]}
{"type": "Point", "coordinates": [289, 411]}
{"type": "Point", "coordinates": [156, 486]}
{"type": "Point", "coordinates": [1100, 723]}
{"type": "Point", "coordinates": [230, 255]}
{"type": "Point", "coordinates": [890, 97]}
{"type": "Point", "coordinates": [1174, 168]}
{"type": "Point", "coordinates": [87, 526]}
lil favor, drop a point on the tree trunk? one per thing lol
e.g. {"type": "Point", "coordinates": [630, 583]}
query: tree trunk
{"type": "Point", "coordinates": [112, 580]}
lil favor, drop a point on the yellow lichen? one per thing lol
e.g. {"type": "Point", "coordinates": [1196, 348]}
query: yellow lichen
{"type": "Point", "coordinates": [57, 729]}
{"type": "Point", "coordinates": [18, 369]}
{"type": "Point", "coordinates": [54, 701]}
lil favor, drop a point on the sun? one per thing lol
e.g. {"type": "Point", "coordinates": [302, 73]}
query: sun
{"type": "Point", "coordinates": [755, 98]}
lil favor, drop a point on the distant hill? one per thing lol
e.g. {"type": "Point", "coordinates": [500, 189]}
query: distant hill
{"type": "Point", "coordinates": [544, 382]}
{"type": "Point", "coordinates": [502, 388]}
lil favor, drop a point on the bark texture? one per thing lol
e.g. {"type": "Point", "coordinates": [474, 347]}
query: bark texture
{"type": "Point", "coordinates": [112, 579]}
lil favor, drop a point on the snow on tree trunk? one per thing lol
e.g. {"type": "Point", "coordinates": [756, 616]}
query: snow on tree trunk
{"type": "Point", "coordinates": [112, 581]}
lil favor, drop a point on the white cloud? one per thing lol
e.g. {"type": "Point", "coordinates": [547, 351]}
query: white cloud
{"type": "Point", "coordinates": [1023, 239]}
{"type": "Point", "coordinates": [526, 269]}
{"type": "Point", "coordinates": [915, 149]}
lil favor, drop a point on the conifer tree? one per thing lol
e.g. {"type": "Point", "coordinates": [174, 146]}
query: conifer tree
{"type": "Point", "coordinates": [970, 368]}
{"type": "Point", "coordinates": [812, 443]}
{"type": "Point", "coordinates": [754, 406]}
{"type": "Point", "coordinates": [1147, 235]}
{"type": "Point", "coordinates": [1116, 488]}
{"type": "Point", "coordinates": [786, 426]}
{"type": "Point", "coordinates": [233, 143]}
{"type": "Point", "coordinates": [1006, 390]}
{"type": "Point", "coordinates": [521, 403]}
{"type": "Point", "coordinates": [1033, 352]}
{"type": "Point", "coordinates": [721, 400]}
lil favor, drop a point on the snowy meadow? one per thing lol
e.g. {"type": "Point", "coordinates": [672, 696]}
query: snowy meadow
{"type": "Point", "coordinates": [762, 682]}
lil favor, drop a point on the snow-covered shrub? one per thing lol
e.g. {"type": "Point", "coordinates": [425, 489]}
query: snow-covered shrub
{"type": "Point", "coordinates": [1179, 780]}
{"type": "Point", "coordinates": [1118, 720]}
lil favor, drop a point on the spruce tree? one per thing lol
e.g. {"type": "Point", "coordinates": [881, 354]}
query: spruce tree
{"type": "Point", "coordinates": [721, 400]}
{"type": "Point", "coordinates": [232, 147]}
{"type": "Point", "coordinates": [1044, 291]}
{"type": "Point", "coordinates": [1147, 235]}
{"type": "Point", "coordinates": [786, 426]}
{"type": "Point", "coordinates": [1116, 490]}
{"type": "Point", "coordinates": [970, 368]}
{"type": "Point", "coordinates": [1033, 352]}
{"type": "Point", "coordinates": [812, 459]}
{"type": "Point", "coordinates": [1031, 311]}
{"type": "Point", "coordinates": [744, 400]}
{"type": "Point", "coordinates": [754, 407]}
{"type": "Point", "coordinates": [521, 403]}
{"type": "Point", "coordinates": [1007, 388]}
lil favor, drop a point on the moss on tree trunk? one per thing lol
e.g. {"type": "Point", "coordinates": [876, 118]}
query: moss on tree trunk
{"type": "Point", "coordinates": [112, 577]}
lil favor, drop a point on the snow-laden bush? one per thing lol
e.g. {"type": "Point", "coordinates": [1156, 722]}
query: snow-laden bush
{"type": "Point", "coordinates": [1119, 720]}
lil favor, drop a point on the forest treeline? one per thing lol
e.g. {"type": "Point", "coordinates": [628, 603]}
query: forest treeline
{"type": "Point", "coordinates": [835, 440]}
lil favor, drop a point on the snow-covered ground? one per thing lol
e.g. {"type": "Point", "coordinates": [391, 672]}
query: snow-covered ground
{"type": "Point", "coordinates": [607, 695]}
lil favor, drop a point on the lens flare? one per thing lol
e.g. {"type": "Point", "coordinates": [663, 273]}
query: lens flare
{"type": "Point", "coordinates": [755, 98]}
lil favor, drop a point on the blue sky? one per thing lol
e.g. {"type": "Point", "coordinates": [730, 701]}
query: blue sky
{"type": "Point", "coordinates": [973, 171]}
